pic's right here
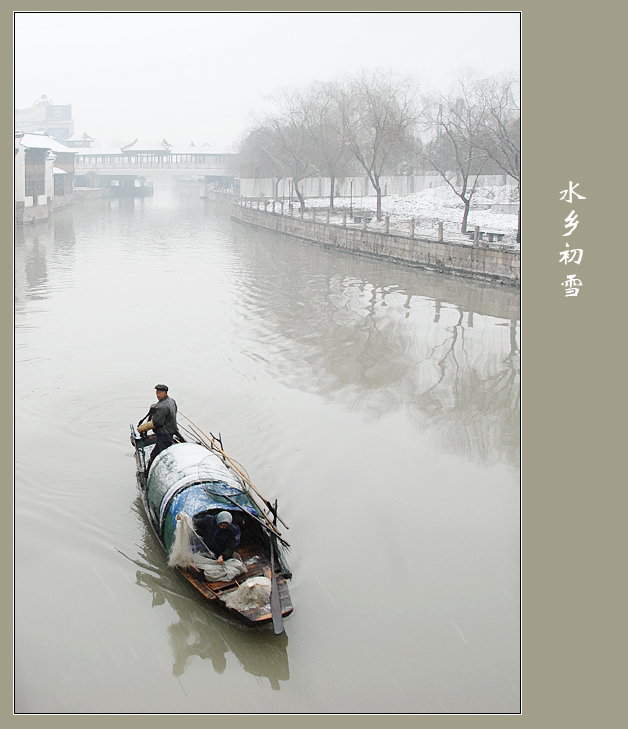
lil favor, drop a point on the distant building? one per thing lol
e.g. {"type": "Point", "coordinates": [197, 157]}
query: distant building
{"type": "Point", "coordinates": [147, 153]}
{"type": "Point", "coordinates": [46, 117]}
{"type": "Point", "coordinates": [215, 166]}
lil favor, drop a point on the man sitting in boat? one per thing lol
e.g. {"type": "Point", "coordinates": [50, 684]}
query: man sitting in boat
{"type": "Point", "coordinates": [162, 418]}
{"type": "Point", "coordinates": [219, 534]}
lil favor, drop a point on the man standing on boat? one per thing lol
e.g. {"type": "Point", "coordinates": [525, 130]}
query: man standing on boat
{"type": "Point", "coordinates": [162, 418]}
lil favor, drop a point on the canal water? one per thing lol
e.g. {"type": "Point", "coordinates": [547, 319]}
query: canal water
{"type": "Point", "coordinates": [380, 406]}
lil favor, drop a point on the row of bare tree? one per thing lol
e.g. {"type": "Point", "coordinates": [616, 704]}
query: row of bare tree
{"type": "Point", "coordinates": [382, 124]}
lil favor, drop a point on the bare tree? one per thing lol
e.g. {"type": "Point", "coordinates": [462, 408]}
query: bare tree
{"type": "Point", "coordinates": [371, 122]}
{"type": "Point", "coordinates": [502, 138]}
{"type": "Point", "coordinates": [292, 146]}
{"type": "Point", "coordinates": [456, 126]}
{"type": "Point", "coordinates": [379, 116]}
{"type": "Point", "coordinates": [258, 157]}
{"type": "Point", "coordinates": [281, 146]}
{"type": "Point", "coordinates": [322, 119]}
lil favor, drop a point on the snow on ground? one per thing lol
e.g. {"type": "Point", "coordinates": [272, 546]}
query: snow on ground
{"type": "Point", "coordinates": [434, 205]}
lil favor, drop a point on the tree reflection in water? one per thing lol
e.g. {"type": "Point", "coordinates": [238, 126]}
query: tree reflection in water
{"type": "Point", "coordinates": [389, 338]}
{"type": "Point", "coordinates": [202, 630]}
{"type": "Point", "coordinates": [474, 400]}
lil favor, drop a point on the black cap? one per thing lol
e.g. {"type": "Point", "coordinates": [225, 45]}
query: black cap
{"type": "Point", "coordinates": [162, 387]}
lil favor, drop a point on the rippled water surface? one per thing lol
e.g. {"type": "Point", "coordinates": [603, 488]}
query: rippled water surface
{"type": "Point", "coordinates": [380, 406]}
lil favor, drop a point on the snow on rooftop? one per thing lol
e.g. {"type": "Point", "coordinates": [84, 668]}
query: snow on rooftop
{"type": "Point", "coordinates": [42, 141]}
{"type": "Point", "coordinates": [98, 151]}
{"type": "Point", "coordinates": [146, 146]}
{"type": "Point", "coordinates": [205, 149]}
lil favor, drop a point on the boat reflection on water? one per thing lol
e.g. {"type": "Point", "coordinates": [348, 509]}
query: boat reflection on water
{"type": "Point", "coordinates": [201, 630]}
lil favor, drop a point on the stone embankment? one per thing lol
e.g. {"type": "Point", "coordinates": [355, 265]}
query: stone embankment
{"type": "Point", "coordinates": [34, 213]}
{"type": "Point", "coordinates": [479, 261]}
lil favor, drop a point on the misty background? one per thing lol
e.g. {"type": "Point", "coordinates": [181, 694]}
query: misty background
{"type": "Point", "coordinates": [204, 77]}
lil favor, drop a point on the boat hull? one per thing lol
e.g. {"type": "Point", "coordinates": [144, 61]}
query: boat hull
{"type": "Point", "coordinates": [189, 478]}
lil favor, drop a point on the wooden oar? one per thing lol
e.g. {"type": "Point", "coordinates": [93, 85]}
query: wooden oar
{"type": "Point", "coordinates": [275, 602]}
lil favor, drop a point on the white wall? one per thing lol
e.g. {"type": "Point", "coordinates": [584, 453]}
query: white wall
{"type": "Point", "coordinates": [20, 174]}
{"type": "Point", "coordinates": [320, 186]}
{"type": "Point", "coordinates": [20, 180]}
{"type": "Point", "coordinates": [50, 186]}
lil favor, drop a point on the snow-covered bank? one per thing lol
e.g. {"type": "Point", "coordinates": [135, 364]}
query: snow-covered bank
{"type": "Point", "coordinates": [431, 206]}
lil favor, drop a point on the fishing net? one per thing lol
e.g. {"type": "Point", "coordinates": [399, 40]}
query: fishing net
{"type": "Point", "coordinates": [181, 554]}
{"type": "Point", "coordinates": [184, 554]}
{"type": "Point", "coordinates": [255, 592]}
{"type": "Point", "coordinates": [219, 571]}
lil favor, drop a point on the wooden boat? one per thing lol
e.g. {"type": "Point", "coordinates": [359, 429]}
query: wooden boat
{"type": "Point", "coordinates": [194, 476]}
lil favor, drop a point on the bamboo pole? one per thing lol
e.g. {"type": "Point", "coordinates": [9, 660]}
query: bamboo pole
{"type": "Point", "coordinates": [236, 467]}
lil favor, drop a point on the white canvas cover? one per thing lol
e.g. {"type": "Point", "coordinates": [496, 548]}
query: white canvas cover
{"type": "Point", "coordinates": [182, 464]}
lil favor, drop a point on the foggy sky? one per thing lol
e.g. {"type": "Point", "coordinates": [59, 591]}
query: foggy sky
{"type": "Point", "coordinates": [202, 77]}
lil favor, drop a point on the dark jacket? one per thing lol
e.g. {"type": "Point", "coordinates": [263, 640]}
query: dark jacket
{"type": "Point", "coordinates": [164, 416]}
{"type": "Point", "coordinates": [219, 541]}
